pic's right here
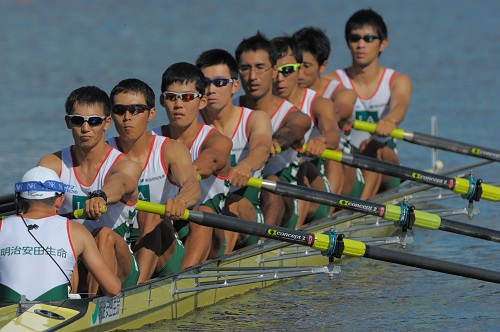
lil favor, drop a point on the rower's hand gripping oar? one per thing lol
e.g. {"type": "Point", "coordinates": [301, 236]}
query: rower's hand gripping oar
{"type": "Point", "coordinates": [330, 244]}
{"type": "Point", "coordinates": [80, 213]}
{"type": "Point", "coordinates": [405, 216]}
{"type": "Point", "coordinates": [434, 142]}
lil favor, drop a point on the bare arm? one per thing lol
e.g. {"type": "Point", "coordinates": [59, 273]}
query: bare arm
{"type": "Point", "coordinates": [327, 122]}
{"type": "Point", "coordinates": [214, 157]}
{"type": "Point", "coordinates": [294, 127]}
{"type": "Point", "coordinates": [86, 248]}
{"type": "Point", "coordinates": [52, 161]}
{"type": "Point", "coordinates": [260, 140]}
{"type": "Point", "coordinates": [121, 184]}
{"type": "Point", "coordinates": [178, 159]}
{"type": "Point", "coordinates": [400, 101]}
{"type": "Point", "coordinates": [343, 104]}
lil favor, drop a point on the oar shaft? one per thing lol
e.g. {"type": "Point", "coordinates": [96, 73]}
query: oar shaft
{"type": "Point", "coordinates": [402, 172]}
{"type": "Point", "coordinates": [469, 230]}
{"type": "Point", "coordinates": [389, 212]}
{"type": "Point", "coordinates": [426, 263]}
{"type": "Point", "coordinates": [434, 142]}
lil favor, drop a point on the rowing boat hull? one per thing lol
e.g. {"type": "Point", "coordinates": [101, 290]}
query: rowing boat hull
{"type": "Point", "coordinates": [180, 293]}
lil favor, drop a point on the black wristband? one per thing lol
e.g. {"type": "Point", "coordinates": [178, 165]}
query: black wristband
{"type": "Point", "coordinates": [98, 193]}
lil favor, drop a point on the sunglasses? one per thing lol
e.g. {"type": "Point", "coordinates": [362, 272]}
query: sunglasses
{"type": "Point", "coordinates": [184, 96]}
{"type": "Point", "coordinates": [288, 68]}
{"type": "Point", "coordinates": [92, 120]}
{"type": "Point", "coordinates": [133, 109]}
{"type": "Point", "coordinates": [220, 82]}
{"type": "Point", "coordinates": [353, 38]}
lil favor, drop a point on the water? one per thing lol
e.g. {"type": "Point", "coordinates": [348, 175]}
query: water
{"type": "Point", "coordinates": [448, 48]}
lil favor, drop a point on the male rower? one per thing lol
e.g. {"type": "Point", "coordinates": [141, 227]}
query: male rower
{"type": "Point", "coordinates": [315, 47]}
{"type": "Point", "coordinates": [383, 94]}
{"type": "Point", "coordinates": [168, 177]}
{"type": "Point", "coordinates": [249, 130]}
{"type": "Point", "coordinates": [183, 95]}
{"type": "Point", "coordinates": [95, 175]}
{"type": "Point", "coordinates": [40, 249]}
{"type": "Point", "coordinates": [324, 132]}
{"type": "Point", "coordinates": [256, 57]}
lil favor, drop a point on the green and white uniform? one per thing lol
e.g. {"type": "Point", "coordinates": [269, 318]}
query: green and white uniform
{"type": "Point", "coordinates": [25, 268]}
{"type": "Point", "coordinates": [156, 187]}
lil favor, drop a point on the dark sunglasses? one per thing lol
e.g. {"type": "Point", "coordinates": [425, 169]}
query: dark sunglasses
{"type": "Point", "coordinates": [92, 120]}
{"type": "Point", "coordinates": [133, 109]}
{"type": "Point", "coordinates": [288, 68]}
{"type": "Point", "coordinates": [184, 96]}
{"type": "Point", "coordinates": [353, 38]}
{"type": "Point", "coordinates": [220, 82]}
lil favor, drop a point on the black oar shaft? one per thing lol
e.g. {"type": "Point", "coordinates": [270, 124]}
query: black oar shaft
{"type": "Point", "coordinates": [252, 228]}
{"type": "Point", "coordinates": [423, 220]}
{"type": "Point", "coordinates": [453, 146]}
{"type": "Point", "coordinates": [406, 173]}
{"type": "Point", "coordinates": [431, 264]}
{"type": "Point", "coordinates": [325, 198]}
{"type": "Point", "coordinates": [469, 230]}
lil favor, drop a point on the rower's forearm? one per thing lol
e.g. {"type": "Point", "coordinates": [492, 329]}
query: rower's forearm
{"type": "Point", "coordinates": [257, 158]}
{"type": "Point", "coordinates": [190, 193]}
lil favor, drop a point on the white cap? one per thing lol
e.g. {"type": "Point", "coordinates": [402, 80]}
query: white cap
{"type": "Point", "coordinates": [39, 183]}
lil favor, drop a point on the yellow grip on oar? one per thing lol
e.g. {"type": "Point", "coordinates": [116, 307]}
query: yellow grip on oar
{"type": "Point", "coordinates": [354, 248]}
{"type": "Point", "coordinates": [328, 154]}
{"type": "Point", "coordinates": [490, 193]}
{"type": "Point", "coordinates": [422, 219]}
{"type": "Point", "coordinates": [80, 213]}
{"type": "Point", "coordinates": [156, 208]}
{"type": "Point", "coordinates": [254, 182]}
{"type": "Point", "coordinates": [371, 128]}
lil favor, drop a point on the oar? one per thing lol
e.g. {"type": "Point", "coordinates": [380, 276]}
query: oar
{"type": "Point", "coordinates": [330, 244]}
{"type": "Point", "coordinates": [80, 213]}
{"type": "Point", "coordinates": [434, 142]}
{"type": "Point", "coordinates": [402, 215]}
{"type": "Point", "coordinates": [469, 188]}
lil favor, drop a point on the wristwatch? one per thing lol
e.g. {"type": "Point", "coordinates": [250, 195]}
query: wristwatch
{"type": "Point", "coordinates": [98, 193]}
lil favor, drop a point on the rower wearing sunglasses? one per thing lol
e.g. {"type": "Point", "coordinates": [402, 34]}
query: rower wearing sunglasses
{"type": "Point", "coordinates": [383, 95]}
{"type": "Point", "coordinates": [183, 95]}
{"type": "Point", "coordinates": [250, 132]}
{"type": "Point", "coordinates": [95, 175]}
{"type": "Point", "coordinates": [315, 47]}
{"type": "Point", "coordinates": [168, 177]}
{"type": "Point", "coordinates": [256, 57]}
{"type": "Point", "coordinates": [323, 133]}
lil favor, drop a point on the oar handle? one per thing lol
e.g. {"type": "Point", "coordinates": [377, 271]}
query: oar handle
{"type": "Point", "coordinates": [372, 127]}
{"type": "Point", "coordinates": [156, 208]}
{"type": "Point", "coordinates": [328, 154]}
{"type": "Point", "coordinates": [490, 193]}
{"type": "Point", "coordinates": [80, 213]}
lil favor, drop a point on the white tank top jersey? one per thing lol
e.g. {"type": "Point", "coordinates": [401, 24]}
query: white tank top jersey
{"type": "Point", "coordinates": [119, 215]}
{"type": "Point", "coordinates": [154, 185]}
{"type": "Point", "coordinates": [330, 89]}
{"type": "Point", "coordinates": [213, 185]}
{"type": "Point", "coordinates": [240, 136]}
{"type": "Point", "coordinates": [371, 109]}
{"type": "Point", "coordinates": [280, 161]}
{"type": "Point", "coordinates": [306, 108]}
{"type": "Point", "coordinates": [25, 267]}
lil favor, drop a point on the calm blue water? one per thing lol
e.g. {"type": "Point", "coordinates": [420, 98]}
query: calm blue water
{"type": "Point", "coordinates": [449, 48]}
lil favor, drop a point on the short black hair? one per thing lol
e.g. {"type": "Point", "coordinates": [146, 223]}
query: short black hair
{"type": "Point", "coordinates": [135, 86]}
{"type": "Point", "coordinates": [183, 72]}
{"type": "Point", "coordinates": [314, 41]}
{"type": "Point", "coordinates": [283, 43]}
{"type": "Point", "coordinates": [256, 43]}
{"type": "Point", "coordinates": [88, 95]}
{"type": "Point", "coordinates": [218, 57]}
